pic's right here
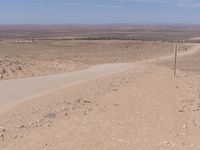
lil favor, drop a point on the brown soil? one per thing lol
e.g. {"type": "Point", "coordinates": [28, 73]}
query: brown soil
{"type": "Point", "coordinates": [125, 111]}
{"type": "Point", "coordinates": [144, 108]}
{"type": "Point", "coordinates": [22, 59]}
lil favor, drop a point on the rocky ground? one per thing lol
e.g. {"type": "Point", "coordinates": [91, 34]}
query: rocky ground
{"type": "Point", "coordinates": [20, 59]}
{"type": "Point", "coordinates": [144, 108]}
{"type": "Point", "coordinates": [125, 111]}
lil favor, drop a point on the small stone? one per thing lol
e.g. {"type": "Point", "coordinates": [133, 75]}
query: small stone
{"type": "Point", "coordinates": [79, 100]}
{"type": "Point", "coordinates": [65, 108]}
{"type": "Point", "coordinates": [15, 136]}
{"type": "Point", "coordinates": [120, 140]}
{"type": "Point", "coordinates": [22, 126]}
{"type": "Point", "coordinates": [196, 109]}
{"type": "Point", "coordinates": [181, 110]}
{"type": "Point", "coordinates": [184, 126]}
{"type": "Point", "coordinates": [47, 125]}
{"type": "Point", "coordinates": [116, 104]}
{"type": "Point", "coordinates": [2, 137]}
{"type": "Point", "coordinates": [87, 102]}
{"type": "Point", "coordinates": [2, 129]}
{"type": "Point", "coordinates": [114, 89]}
{"type": "Point", "coordinates": [20, 68]}
{"type": "Point", "coordinates": [166, 142]}
{"type": "Point", "coordinates": [183, 133]}
{"type": "Point", "coordinates": [85, 112]}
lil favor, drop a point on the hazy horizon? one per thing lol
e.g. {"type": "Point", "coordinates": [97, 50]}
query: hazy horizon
{"type": "Point", "coordinates": [106, 24]}
{"type": "Point", "coordinates": [96, 12]}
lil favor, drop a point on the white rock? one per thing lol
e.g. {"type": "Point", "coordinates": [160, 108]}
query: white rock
{"type": "Point", "coordinates": [184, 126]}
{"type": "Point", "coordinates": [166, 142]}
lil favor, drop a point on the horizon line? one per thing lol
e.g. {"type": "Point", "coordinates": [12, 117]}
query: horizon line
{"type": "Point", "coordinates": [103, 24]}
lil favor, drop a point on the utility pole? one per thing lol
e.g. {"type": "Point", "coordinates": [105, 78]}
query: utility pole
{"type": "Point", "coordinates": [175, 58]}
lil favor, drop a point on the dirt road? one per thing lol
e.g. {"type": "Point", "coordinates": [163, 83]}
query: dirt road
{"type": "Point", "coordinates": [26, 88]}
{"type": "Point", "coordinates": [20, 89]}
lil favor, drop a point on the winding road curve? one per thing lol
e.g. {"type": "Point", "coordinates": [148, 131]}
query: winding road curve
{"type": "Point", "coordinates": [22, 89]}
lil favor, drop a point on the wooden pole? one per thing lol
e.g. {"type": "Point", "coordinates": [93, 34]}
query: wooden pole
{"type": "Point", "coordinates": [175, 59]}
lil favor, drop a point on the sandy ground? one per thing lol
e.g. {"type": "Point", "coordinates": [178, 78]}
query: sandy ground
{"type": "Point", "coordinates": [188, 63]}
{"type": "Point", "coordinates": [22, 59]}
{"type": "Point", "coordinates": [144, 108]}
{"type": "Point", "coordinates": [126, 111]}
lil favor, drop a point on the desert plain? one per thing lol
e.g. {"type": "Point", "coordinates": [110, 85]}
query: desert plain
{"type": "Point", "coordinates": [99, 88]}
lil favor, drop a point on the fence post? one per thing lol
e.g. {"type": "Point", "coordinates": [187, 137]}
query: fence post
{"type": "Point", "coordinates": [175, 58]}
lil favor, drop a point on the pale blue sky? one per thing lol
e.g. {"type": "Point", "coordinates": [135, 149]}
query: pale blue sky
{"type": "Point", "coordinates": [99, 11]}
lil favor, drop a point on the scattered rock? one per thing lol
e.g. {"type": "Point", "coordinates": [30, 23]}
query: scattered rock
{"type": "Point", "coordinates": [184, 126]}
{"type": "Point", "coordinates": [85, 113]}
{"type": "Point", "coordinates": [114, 89]}
{"type": "Point", "coordinates": [120, 140]}
{"type": "Point", "coordinates": [166, 142]}
{"type": "Point", "coordinates": [2, 137]}
{"type": "Point", "coordinates": [47, 125]}
{"type": "Point", "coordinates": [22, 126]}
{"type": "Point", "coordinates": [192, 145]}
{"type": "Point", "coordinates": [87, 102]}
{"type": "Point", "coordinates": [20, 68]}
{"type": "Point", "coordinates": [196, 109]}
{"type": "Point", "coordinates": [183, 134]}
{"type": "Point", "coordinates": [2, 129]}
{"type": "Point", "coordinates": [181, 110]}
{"type": "Point", "coordinates": [50, 115]}
{"type": "Point", "coordinates": [116, 104]}
{"type": "Point", "coordinates": [15, 136]}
